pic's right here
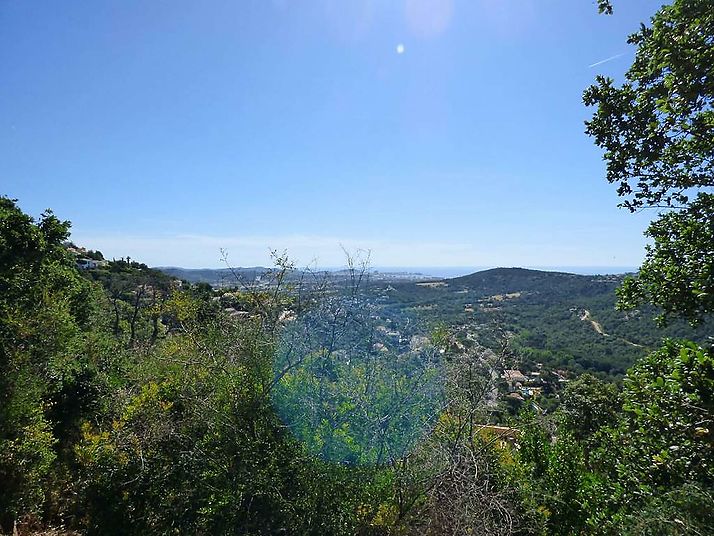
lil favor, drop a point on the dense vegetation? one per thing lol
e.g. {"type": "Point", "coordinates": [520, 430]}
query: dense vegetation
{"type": "Point", "coordinates": [132, 402]}
{"type": "Point", "coordinates": [549, 314]}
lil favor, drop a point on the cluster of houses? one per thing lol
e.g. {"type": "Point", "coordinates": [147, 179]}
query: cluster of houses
{"type": "Point", "coordinates": [89, 264]}
{"type": "Point", "coordinates": [521, 386]}
{"type": "Point", "coordinates": [86, 260]}
{"type": "Point", "coordinates": [83, 259]}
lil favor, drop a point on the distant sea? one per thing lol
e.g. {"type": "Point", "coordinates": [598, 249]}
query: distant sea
{"type": "Point", "coordinates": [456, 271]}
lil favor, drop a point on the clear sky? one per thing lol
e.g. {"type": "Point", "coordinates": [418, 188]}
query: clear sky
{"type": "Point", "coordinates": [432, 132]}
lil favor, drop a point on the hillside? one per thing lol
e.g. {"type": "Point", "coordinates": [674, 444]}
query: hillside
{"type": "Point", "coordinates": [215, 277]}
{"type": "Point", "coordinates": [562, 320]}
{"type": "Point", "coordinates": [507, 280]}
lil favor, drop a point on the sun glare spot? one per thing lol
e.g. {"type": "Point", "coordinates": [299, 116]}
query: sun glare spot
{"type": "Point", "coordinates": [400, 48]}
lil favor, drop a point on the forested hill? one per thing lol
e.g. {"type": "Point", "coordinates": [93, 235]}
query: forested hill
{"type": "Point", "coordinates": [502, 288]}
{"type": "Point", "coordinates": [563, 320]}
{"type": "Point", "coordinates": [552, 284]}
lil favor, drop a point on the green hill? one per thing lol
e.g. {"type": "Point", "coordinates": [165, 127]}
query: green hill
{"type": "Point", "coordinates": [562, 320]}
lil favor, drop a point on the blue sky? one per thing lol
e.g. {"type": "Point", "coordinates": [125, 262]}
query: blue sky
{"type": "Point", "coordinates": [431, 132]}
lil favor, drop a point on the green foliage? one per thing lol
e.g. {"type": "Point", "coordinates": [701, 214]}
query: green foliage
{"type": "Point", "coordinates": [653, 466]}
{"type": "Point", "coordinates": [193, 445]}
{"type": "Point", "coordinates": [137, 296]}
{"type": "Point", "coordinates": [349, 390]}
{"type": "Point", "coordinates": [44, 307]}
{"type": "Point", "coordinates": [657, 459]}
{"type": "Point", "coordinates": [657, 130]}
{"type": "Point", "coordinates": [604, 6]}
{"type": "Point", "coordinates": [645, 469]}
{"type": "Point", "coordinates": [555, 476]}
{"type": "Point", "coordinates": [681, 511]}
{"type": "Point", "coordinates": [148, 408]}
{"type": "Point", "coordinates": [589, 404]}
{"type": "Point", "coordinates": [668, 403]}
{"type": "Point", "coordinates": [678, 272]}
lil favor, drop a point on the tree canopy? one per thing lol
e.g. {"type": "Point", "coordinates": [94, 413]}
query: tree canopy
{"type": "Point", "coordinates": [657, 131]}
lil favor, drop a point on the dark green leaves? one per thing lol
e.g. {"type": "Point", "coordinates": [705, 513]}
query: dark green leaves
{"type": "Point", "coordinates": [657, 131]}
{"type": "Point", "coordinates": [678, 272]}
{"type": "Point", "coordinates": [604, 7]}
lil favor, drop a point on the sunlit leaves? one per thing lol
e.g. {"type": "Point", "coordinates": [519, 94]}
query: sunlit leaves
{"type": "Point", "coordinates": [678, 272]}
{"type": "Point", "coordinates": [657, 133]}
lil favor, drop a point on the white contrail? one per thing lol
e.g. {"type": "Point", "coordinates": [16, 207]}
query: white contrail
{"type": "Point", "coordinates": [606, 60]}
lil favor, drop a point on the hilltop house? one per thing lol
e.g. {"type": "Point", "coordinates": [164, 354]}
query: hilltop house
{"type": "Point", "coordinates": [87, 264]}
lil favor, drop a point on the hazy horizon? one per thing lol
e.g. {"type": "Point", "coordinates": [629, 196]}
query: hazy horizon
{"type": "Point", "coordinates": [447, 271]}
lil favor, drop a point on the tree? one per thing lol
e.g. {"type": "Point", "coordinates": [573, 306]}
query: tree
{"type": "Point", "coordinates": [657, 130]}
{"type": "Point", "coordinates": [588, 404]}
{"type": "Point", "coordinates": [652, 467]}
{"type": "Point", "coordinates": [656, 463]}
{"type": "Point", "coordinates": [45, 305]}
{"type": "Point", "coordinates": [669, 415]}
{"type": "Point", "coordinates": [678, 274]}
